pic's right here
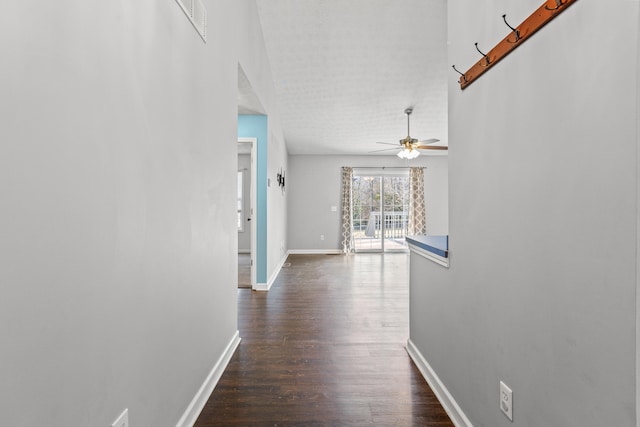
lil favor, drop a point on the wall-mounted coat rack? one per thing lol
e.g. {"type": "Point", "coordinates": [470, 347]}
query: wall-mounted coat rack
{"type": "Point", "coordinates": [545, 13]}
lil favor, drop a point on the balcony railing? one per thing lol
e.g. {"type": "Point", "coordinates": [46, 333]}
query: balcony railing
{"type": "Point", "coordinates": [395, 225]}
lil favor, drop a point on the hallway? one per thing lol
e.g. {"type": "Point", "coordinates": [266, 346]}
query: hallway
{"type": "Point", "coordinates": [325, 347]}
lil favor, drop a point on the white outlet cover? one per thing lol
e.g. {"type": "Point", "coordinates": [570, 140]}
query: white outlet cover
{"type": "Point", "coordinates": [122, 420]}
{"type": "Point", "coordinates": [506, 400]}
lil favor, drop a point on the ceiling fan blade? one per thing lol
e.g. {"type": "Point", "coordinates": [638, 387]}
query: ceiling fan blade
{"type": "Point", "coordinates": [429, 141]}
{"type": "Point", "coordinates": [389, 143]}
{"type": "Point", "coordinates": [432, 147]}
{"type": "Point", "coordinates": [386, 149]}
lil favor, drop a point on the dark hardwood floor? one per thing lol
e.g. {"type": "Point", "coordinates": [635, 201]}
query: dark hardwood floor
{"type": "Point", "coordinates": [325, 347]}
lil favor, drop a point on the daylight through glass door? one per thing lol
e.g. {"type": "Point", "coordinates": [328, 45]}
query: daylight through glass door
{"type": "Point", "coordinates": [380, 212]}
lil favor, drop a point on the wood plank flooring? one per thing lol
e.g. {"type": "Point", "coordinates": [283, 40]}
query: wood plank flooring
{"type": "Point", "coordinates": [325, 347]}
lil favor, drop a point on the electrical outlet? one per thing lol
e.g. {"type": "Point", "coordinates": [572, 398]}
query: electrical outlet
{"type": "Point", "coordinates": [122, 420]}
{"type": "Point", "coordinates": [506, 400]}
{"type": "Point", "coordinates": [322, 237]}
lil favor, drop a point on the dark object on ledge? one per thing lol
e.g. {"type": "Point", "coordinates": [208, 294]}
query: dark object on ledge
{"type": "Point", "coordinates": [438, 245]}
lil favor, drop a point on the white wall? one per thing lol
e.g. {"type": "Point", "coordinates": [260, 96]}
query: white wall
{"type": "Point", "coordinates": [277, 214]}
{"type": "Point", "coordinates": [543, 210]}
{"type": "Point", "coordinates": [244, 237]}
{"type": "Point", "coordinates": [118, 165]}
{"type": "Point", "coordinates": [436, 194]}
{"type": "Point", "coordinates": [257, 68]}
{"type": "Point", "coordinates": [314, 185]}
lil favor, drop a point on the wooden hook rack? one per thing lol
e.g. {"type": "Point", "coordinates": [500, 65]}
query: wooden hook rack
{"type": "Point", "coordinates": [538, 19]}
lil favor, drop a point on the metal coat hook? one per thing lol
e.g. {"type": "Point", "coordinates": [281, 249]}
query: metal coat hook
{"type": "Point", "coordinates": [486, 58]}
{"type": "Point", "coordinates": [464, 77]}
{"type": "Point", "coordinates": [547, 11]}
{"type": "Point", "coordinates": [515, 30]}
{"type": "Point", "coordinates": [559, 4]}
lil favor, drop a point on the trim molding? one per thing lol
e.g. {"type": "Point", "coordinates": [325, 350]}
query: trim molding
{"type": "Point", "coordinates": [429, 255]}
{"type": "Point", "coordinates": [261, 287]}
{"type": "Point", "coordinates": [266, 286]}
{"type": "Point", "coordinates": [447, 401]}
{"type": "Point", "coordinates": [274, 275]}
{"type": "Point", "coordinates": [192, 412]}
{"type": "Point", "coordinates": [315, 251]}
{"type": "Point", "coordinates": [244, 251]}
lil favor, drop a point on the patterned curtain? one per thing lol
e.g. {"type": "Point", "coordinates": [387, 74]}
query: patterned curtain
{"type": "Point", "coordinates": [417, 215]}
{"type": "Point", "coordinates": [347, 227]}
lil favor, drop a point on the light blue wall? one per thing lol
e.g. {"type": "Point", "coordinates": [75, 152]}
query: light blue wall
{"type": "Point", "coordinates": [255, 126]}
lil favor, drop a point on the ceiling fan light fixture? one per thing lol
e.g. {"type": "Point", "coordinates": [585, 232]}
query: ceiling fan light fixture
{"type": "Point", "coordinates": [410, 146]}
{"type": "Point", "coordinates": [408, 154]}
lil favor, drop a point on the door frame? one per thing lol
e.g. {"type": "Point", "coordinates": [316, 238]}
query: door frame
{"type": "Point", "coordinates": [252, 205]}
{"type": "Point", "coordinates": [380, 173]}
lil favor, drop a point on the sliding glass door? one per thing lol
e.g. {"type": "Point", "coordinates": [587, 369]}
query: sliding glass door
{"type": "Point", "coordinates": [367, 197]}
{"type": "Point", "coordinates": [380, 211]}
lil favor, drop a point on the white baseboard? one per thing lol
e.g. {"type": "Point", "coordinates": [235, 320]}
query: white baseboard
{"type": "Point", "coordinates": [190, 416]}
{"type": "Point", "coordinates": [274, 275]}
{"type": "Point", "coordinates": [277, 270]}
{"type": "Point", "coordinates": [266, 286]}
{"type": "Point", "coordinates": [315, 251]}
{"type": "Point", "coordinates": [261, 287]}
{"type": "Point", "coordinates": [447, 401]}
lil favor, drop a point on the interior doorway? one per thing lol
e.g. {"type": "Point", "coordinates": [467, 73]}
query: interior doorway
{"type": "Point", "coordinates": [246, 208]}
{"type": "Point", "coordinates": [380, 211]}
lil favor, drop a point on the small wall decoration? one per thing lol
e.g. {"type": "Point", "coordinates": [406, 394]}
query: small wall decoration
{"type": "Point", "coordinates": [280, 179]}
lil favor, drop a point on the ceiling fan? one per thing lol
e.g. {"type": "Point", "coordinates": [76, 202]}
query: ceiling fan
{"type": "Point", "coordinates": [409, 146]}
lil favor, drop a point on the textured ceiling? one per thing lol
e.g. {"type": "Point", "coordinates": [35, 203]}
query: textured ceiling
{"type": "Point", "coordinates": [344, 71]}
